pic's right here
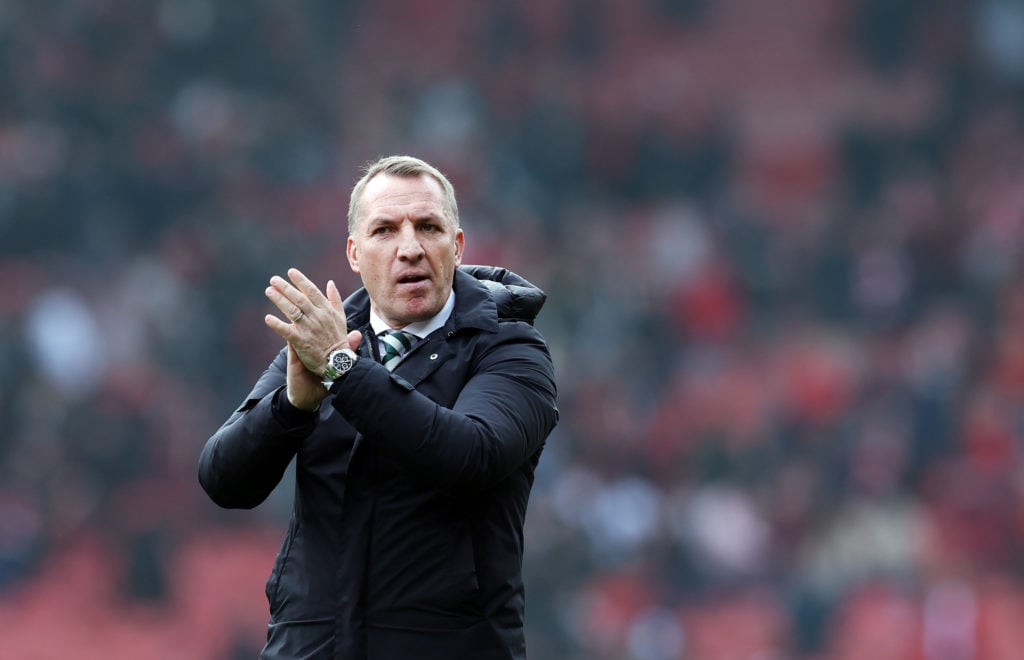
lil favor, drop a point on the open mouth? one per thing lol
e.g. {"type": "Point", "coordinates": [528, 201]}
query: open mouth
{"type": "Point", "coordinates": [413, 279]}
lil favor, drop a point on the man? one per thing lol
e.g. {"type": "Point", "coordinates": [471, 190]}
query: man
{"type": "Point", "coordinates": [412, 477]}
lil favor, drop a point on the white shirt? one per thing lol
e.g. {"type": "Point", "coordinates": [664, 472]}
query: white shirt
{"type": "Point", "coordinates": [420, 328]}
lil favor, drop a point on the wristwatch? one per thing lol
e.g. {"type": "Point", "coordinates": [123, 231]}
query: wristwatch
{"type": "Point", "coordinates": [339, 363]}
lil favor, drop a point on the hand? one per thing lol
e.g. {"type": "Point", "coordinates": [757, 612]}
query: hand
{"type": "Point", "coordinates": [304, 388]}
{"type": "Point", "coordinates": [318, 326]}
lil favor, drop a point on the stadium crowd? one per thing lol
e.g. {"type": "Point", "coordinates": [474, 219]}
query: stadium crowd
{"type": "Point", "coordinates": [782, 244]}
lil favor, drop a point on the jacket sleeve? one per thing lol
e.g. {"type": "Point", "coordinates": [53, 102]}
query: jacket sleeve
{"type": "Point", "coordinates": [245, 459]}
{"type": "Point", "coordinates": [501, 418]}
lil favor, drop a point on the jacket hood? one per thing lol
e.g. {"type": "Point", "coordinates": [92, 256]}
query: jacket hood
{"type": "Point", "coordinates": [515, 297]}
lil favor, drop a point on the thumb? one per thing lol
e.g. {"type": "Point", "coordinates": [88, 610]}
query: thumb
{"type": "Point", "coordinates": [354, 338]}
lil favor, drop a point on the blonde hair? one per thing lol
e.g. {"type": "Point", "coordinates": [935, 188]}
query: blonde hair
{"type": "Point", "coordinates": [405, 166]}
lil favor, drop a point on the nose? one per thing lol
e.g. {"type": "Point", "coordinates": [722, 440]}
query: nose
{"type": "Point", "coordinates": [409, 248]}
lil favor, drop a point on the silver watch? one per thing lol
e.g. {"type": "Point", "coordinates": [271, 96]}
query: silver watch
{"type": "Point", "coordinates": [339, 363]}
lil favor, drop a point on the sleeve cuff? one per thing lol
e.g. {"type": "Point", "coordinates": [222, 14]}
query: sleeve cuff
{"type": "Point", "coordinates": [288, 415]}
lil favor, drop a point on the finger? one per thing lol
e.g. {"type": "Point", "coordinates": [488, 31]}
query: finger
{"type": "Point", "coordinates": [334, 297]}
{"type": "Point", "coordinates": [306, 286]}
{"type": "Point", "coordinates": [291, 294]}
{"type": "Point", "coordinates": [290, 309]}
{"type": "Point", "coordinates": [279, 326]}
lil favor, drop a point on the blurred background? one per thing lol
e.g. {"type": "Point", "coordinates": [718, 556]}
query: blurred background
{"type": "Point", "coordinates": [782, 243]}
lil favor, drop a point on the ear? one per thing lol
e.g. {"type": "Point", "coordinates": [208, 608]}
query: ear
{"type": "Point", "coordinates": [352, 251]}
{"type": "Point", "coordinates": [460, 244]}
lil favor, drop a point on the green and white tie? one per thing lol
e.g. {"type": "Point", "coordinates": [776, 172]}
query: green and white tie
{"type": "Point", "coordinates": [395, 343]}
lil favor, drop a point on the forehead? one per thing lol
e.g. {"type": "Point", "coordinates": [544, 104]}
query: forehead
{"type": "Point", "coordinates": [388, 196]}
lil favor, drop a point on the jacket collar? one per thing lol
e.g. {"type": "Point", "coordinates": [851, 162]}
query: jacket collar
{"type": "Point", "coordinates": [474, 306]}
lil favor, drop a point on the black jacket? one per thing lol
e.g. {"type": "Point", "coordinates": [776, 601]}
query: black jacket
{"type": "Point", "coordinates": [406, 539]}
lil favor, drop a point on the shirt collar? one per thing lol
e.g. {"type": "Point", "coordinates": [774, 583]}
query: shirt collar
{"type": "Point", "coordinates": [421, 328]}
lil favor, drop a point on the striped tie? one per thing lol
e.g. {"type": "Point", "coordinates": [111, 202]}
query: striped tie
{"type": "Point", "coordinates": [396, 343]}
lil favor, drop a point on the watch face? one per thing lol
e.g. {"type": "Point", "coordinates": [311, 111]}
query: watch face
{"type": "Point", "coordinates": [338, 364]}
{"type": "Point", "coordinates": [342, 361]}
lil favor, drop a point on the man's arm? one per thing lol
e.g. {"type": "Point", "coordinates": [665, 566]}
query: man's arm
{"type": "Point", "coordinates": [501, 418]}
{"type": "Point", "coordinates": [244, 460]}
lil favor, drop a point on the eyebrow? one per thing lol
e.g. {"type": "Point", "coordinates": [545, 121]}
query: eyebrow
{"type": "Point", "coordinates": [390, 220]}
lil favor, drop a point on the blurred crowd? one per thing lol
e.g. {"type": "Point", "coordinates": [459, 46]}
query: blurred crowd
{"type": "Point", "coordinates": [782, 244]}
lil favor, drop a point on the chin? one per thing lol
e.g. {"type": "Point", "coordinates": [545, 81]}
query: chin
{"type": "Point", "coordinates": [406, 315]}
{"type": "Point", "coordinates": [420, 307]}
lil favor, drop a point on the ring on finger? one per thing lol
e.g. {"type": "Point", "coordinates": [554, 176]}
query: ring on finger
{"type": "Point", "coordinates": [299, 317]}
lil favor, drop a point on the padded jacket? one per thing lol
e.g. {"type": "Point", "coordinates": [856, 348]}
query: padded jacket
{"type": "Point", "coordinates": [411, 486]}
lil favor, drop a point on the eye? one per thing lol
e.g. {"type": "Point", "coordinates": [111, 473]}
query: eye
{"type": "Point", "coordinates": [381, 230]}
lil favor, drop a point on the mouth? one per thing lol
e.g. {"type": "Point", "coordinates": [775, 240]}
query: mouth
{"type": "Point", "coordinates": [413, 279]}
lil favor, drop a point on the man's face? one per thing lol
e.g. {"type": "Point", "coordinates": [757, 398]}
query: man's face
{"type": "Point", "coordinates": [404, 247]}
